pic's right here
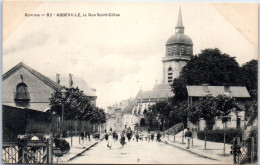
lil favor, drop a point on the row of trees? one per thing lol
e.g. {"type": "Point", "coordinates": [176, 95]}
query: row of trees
{"type": "Point", "coordinates": [209, 67]}
{"type": "Point", "coordinates": [167, 114]}
{"type": "Point", "coordinates": [77, 106]}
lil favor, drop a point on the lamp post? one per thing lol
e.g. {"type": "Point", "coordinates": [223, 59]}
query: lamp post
{"type": "Point", "coordinates": [63, 96]}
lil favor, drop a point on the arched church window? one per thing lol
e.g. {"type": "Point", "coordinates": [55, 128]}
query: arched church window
{"type": "Point", "coordinates": [170, 75]}
{"type": "Point", "coordinates": [21, 92]}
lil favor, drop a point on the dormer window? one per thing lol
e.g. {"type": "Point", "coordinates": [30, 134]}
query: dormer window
{"type": "Point", "coordinates": [21, 93]}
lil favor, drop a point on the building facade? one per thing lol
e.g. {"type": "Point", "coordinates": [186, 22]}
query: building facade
{"type": "Point", "coordinates": [23, 88]}
{"type": "Point", "coordinates": [237, 116]}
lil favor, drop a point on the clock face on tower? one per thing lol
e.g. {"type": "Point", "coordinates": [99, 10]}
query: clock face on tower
{"type": "Point", "coordinates": [177, 30]}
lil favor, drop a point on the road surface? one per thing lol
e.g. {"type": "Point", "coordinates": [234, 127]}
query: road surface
{"type": "Point", "coordinates": [140, 152]}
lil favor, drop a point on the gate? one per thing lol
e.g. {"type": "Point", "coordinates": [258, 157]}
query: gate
{"type": "Point", "coordinates": [246, 152]}
{"type": "Point", "coordinates": [29, 152]}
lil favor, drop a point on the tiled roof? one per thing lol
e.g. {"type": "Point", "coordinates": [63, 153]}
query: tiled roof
{"type": "Point", "coordinates": [235, 91]}
{"type": "Point", "coordinates": [159, 91]}
{"type": "Point", "coordinates": [128, 109]}
{"type": "Point", "coordinates": [43, 78]}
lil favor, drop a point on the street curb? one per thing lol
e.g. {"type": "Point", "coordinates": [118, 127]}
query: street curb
{"type": "Point", "coordinates": [191, 151]}
{"type": "Point", "coordinates": [85, 150]}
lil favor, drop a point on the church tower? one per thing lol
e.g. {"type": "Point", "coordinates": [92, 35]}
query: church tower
{"type": "Point", "coordinates": [179, 49]}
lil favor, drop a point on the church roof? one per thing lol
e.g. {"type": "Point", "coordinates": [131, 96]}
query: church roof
{"type": "Point", "coordinates": [179, 38]}
{"type": "Point", "coordinates": [40, 76]}
{"type": "Point", "coordinates": [159, 91]}
{"type": "Point", "coordinates": [214, 91]}
{"type": "Point", "coordinates": [128, 109]}
{"type": "Point", "coordinates": [179, 23]}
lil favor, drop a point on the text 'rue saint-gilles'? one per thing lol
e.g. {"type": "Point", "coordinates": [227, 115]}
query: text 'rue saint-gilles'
{"type": "Point", "coordinates": [72, 15]}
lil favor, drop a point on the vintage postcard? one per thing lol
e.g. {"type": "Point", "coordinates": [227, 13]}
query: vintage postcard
{"type": "Point", "coordinates": [91, 82]}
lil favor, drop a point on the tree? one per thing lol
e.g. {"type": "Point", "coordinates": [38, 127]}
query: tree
{"type": "Point", "coordinates": [207, 108]}
{"type": "Point", "coordinates": [250, 71]}
{"type": "Point", "coordinates": [151, 119]}
{"type": "Point", "coordinates": [212, 67]}
{"type": "Point", "coordinates": [76, 104]}
{"type": "Point", "coordinates": [161, 112]}
{"type": "Point", "coordinates": [194, 114]}
{"type": "Point", "coordinates": [179, 89]}
{"type": "Point", "coordinates": [98, 117]}
{"type": "Point", "coordinates": [224, 106]}
{"type": "Point", "coordinates": [209, 67]}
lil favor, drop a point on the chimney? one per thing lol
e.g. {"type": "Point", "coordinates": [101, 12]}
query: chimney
{"type": "Point", "coordinates": [58, 78]}
{"type": "Point", "coordinates": [227, 89]}
{"type": "Point", "coordinates": [70, 80]}
{"type": "Point", "coordinates": [205, 88]}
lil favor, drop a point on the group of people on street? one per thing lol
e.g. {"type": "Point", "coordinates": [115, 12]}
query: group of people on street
{"type": "Point", "coordinates": [147, 136]}
{"type": "Point", "coordinates": [111, 136]}
{"type": "Point", "coordinates": [84, 136]}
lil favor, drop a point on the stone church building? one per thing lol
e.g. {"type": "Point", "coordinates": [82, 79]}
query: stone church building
{"type": "Point", "coordinates": [179, 49]}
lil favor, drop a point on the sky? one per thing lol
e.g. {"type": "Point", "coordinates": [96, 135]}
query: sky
{"type": "Point", "coordinates": [119, 55]}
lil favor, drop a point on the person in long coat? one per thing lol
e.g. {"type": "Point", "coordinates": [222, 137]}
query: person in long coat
{"type": "Point", "coordinates": [122, 140]}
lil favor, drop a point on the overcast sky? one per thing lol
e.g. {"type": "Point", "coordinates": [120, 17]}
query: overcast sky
{"type": "Point", "coordinates": [118, 55]}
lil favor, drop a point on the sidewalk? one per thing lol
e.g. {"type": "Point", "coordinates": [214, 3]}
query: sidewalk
{"type": "Point", "coordinates": [214, 150]}
{"type": "Point", "coordinates": [77, 148]}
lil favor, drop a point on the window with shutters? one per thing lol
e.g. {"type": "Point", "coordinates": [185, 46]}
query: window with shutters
{"type": "Point", "coordinates": [188, 51]}
{"type": "Point", "coordinates": [182, 50]}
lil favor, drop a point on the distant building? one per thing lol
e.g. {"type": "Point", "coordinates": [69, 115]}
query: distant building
{"type": "Point", "coordinates": [25, 89]}
{"type": "Point", "coordinates": [237, 117]}
{"type": "Point", "coordinates": [22, 86]}
{"type": "Point", "coordinates": [179, 49]}
{"type": "Point", "coordinates": [120, 115]}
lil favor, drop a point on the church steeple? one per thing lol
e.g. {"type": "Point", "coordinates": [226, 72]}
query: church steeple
{"type": "Point", "coordinates": [179, 28]}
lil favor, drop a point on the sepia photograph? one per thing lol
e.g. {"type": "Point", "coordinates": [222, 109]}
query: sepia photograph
{"type": "Point", "coordinates": [119, 82]}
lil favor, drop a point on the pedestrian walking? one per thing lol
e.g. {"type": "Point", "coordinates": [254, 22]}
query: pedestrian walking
{"type": "Point", "coordinates": [141, 136]}
{"type": "Point", "coordinates": [129, 134]}
{"type": "Point", "coordinates": [88, 135]}
{"type": "Point", "coordinates": [148, 136]}
{"type": "Point", "coordinates": [158, 137]}
{"type": "Point", "coordinates": [122, 140]}
{"type": "Point", "coordinates": [115, 136]}
{"type": "Point", "coordinates": [106, 137]}
{"type": "Point", "coordinates": [137, 136]}
{"type": "Point", "coordinates": [110, 140]}
{"type": "Point", "coordinates": [188, 135]}
{"type": "Point", "coordinates": [83, 135]}
{"type": "Point", "coordinates": [152, 136]}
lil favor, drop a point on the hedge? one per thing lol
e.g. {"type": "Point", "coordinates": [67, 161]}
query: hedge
{"type": "Point", "coordinates": [218, 135]}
